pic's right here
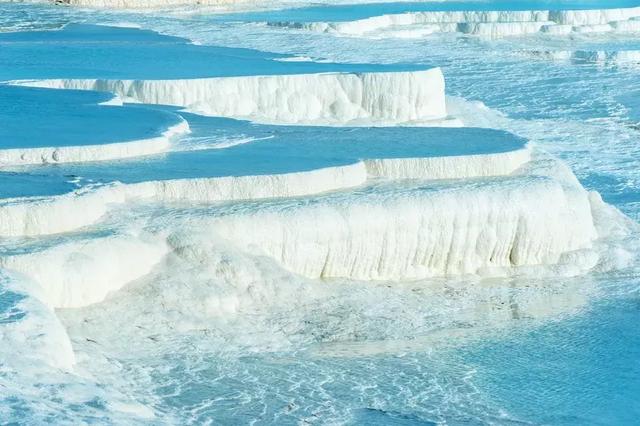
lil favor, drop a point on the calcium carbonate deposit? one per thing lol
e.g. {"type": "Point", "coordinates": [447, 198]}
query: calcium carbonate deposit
{"type": "Point", "coordinates": [333, 212]}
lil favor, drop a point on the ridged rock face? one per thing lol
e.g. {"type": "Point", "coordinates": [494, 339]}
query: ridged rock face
{"type": "Point", "coordinates": [421, 232]}
{"type": "Point", "coordinates": [537, 215]}
{"type": "Point", "coordinates": [294, 99]}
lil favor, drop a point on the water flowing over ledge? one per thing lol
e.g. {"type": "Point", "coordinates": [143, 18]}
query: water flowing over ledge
{"type": "Point", "coordinates": [616, 58]}
{"type": "Point", "coordinates": [363, 98]}
{"type": "Point", "coordinates": [493, 24]}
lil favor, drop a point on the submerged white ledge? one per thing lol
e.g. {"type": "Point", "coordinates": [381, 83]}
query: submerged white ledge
{"type": "Point", "coordinates": [99, 152]}
{"type": "Point", "coordinates": [40, 334]}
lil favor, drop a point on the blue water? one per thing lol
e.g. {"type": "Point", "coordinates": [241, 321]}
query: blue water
{"type": "Point", "coordinates": [73, 118]}
{"type": "Point", "coordinates": [581, 371]}
{"type": "Point", "coordinates": [268, 149]}
{"type": "Point", "coordinates": [90, 51]}
{"type": "Point", "coordinates": [551, 350]}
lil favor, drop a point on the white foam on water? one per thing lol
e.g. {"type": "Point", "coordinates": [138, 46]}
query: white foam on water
{"type": "Point", "coordinates": [205, 142]}
{"type": "Point", "coordinates": [295, 59]}
{"type": "Point", "coordinates": [122, 24]}
{"type": "Point", "coordinates": [41, 376]}
{"type": "Point", "coordinates": [114, 101]}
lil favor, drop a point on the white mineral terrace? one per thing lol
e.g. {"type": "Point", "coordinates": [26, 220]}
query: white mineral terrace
{"type": "Point", "coordinates": [331, 98]}
{"type": "Point", "coordinates": [493, 24]}
{"type": "Point", "coordinates": [532, 212]}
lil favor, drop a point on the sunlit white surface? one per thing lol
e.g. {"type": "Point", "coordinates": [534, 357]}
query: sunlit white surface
{"type": "Point", "coordinates": [260, 336]}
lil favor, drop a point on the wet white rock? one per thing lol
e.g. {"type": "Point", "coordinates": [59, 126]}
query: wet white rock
{"type": "Point", "coordinates": [332, 98]}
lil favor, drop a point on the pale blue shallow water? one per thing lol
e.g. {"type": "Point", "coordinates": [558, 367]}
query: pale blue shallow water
{"type": "Point", "coordinates": [365, 354]}
{"type": "Point", "coordinates": [582, 370]}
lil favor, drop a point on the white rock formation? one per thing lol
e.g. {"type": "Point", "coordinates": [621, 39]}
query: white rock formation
{"type": "Point", "coordinates": [440, 21]}
{"type": "Point", "coordinates": [38, 333]}
{"type": "Point", "coordinates": [84, 272]}
{"type": "Point", "coordinates": [452, 167]}
{"type": "Point", "coordinates": [333, 98]}
{"type": "Point", "coordinates": [465, 228]}
{"type": "Point", "coordinates": [594, 16]}
{"type": "Point", "coordinates": [50, 215]}
{"type": "Point", "coordinates": [493, 24]}
{"type": "Point", "coordinates": [501, 29]}
{"type": "Point", "coordinates": [534, 214]}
